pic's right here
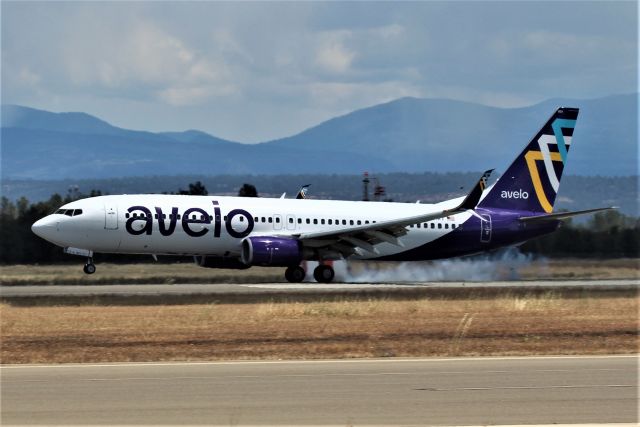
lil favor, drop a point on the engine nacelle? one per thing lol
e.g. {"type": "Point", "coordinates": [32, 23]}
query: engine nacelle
{"type": "Point", "coordinates": [221, 262]}
{"type": "Point", "coordinates": [271, 251]}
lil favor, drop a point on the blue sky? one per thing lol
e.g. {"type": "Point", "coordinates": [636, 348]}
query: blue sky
{"type": "Point", "coordinates": [251, 72]}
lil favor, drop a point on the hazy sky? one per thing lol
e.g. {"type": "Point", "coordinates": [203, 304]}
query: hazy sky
{"type": "Point", "coordinates": [258, 71]}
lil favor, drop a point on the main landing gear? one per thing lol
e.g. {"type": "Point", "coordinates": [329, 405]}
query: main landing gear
{"type": "Point", "coordinates": [295, 274]}
{"type": "Point", "coordinates": [322, 273]}
{"type": "Point", "coordinates": [89, 267]}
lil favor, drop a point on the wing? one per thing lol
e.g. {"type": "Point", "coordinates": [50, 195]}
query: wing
{"type": "Point", "coordinates": [350, 240]}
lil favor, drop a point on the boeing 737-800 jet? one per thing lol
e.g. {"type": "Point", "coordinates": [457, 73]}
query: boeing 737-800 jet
{"type": "Point", "coordinates": [236, 232]}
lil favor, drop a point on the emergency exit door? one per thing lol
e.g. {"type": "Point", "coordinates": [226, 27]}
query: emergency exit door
{"type": "Point", "coordinates": [485, 229]}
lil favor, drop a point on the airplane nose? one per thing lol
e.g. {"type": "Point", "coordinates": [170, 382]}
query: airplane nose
{"type": "Point", "coordinates": [45, 228]}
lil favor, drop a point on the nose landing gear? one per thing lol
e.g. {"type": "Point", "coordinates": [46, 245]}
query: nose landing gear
{"type": "Point", "coordinates": [89, 267]}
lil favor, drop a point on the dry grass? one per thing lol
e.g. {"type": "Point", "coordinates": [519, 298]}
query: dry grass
{"type": "Point", "coordinates": [132, 273]}
{"type": "Point", "coordinates": [508, 325]}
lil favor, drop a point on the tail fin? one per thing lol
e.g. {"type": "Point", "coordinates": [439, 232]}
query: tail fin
{"type": "Point", "coordinates": [533, 179]}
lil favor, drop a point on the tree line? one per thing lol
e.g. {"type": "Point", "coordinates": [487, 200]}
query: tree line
{"type": "Point", "coordinates": [605, 235]}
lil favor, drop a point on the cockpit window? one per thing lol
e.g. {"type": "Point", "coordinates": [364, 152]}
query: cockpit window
{"type": "Point", "coordinates": [69, 212]}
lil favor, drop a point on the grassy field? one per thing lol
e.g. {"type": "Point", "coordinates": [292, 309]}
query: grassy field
{"type": "Point", "coordinates": [507, 325]}
{"type": "Point", "coordinates": [457, 270]}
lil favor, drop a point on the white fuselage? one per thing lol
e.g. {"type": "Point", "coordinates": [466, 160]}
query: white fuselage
{"type": "Point", "coordinates": [216, 225]}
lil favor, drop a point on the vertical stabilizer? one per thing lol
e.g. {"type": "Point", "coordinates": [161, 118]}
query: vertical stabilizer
{"type": "Point", "coordinates": [532, 181]}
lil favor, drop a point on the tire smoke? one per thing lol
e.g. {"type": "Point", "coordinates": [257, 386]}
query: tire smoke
{"type": "Point", "coordinates": [502, 265]}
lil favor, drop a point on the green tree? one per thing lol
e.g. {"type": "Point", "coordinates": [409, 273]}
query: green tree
{"type": "Point", "coordinates": [195, 189]}
{"type": "Point", "coordinates": [248, 190]}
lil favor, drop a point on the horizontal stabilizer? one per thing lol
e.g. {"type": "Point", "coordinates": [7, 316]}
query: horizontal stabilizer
{"type": "Point", "coordinates": [561, 215]}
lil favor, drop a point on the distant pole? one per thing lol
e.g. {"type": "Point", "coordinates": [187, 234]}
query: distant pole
{"type": "Point", "coordinates": [365, 187]}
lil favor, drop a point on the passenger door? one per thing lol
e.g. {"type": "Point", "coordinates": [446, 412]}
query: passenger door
{"type": "Point", "coordinates": [111, 217]}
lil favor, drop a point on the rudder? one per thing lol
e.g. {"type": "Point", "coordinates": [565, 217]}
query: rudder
{"type": "Point", "coordinates": [532, 181]}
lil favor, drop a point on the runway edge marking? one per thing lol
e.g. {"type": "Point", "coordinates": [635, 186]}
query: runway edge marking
{"type": "Point", "coordinates": [336, 361]}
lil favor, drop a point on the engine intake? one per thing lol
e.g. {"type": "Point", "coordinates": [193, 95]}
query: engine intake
{"type": "Point", "coordinates": [271, 251]}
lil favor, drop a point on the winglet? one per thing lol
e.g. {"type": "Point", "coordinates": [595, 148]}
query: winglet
{"type": "Point", "coordinates": [302, 194]}
{"type": "Point", "coordinates": [472, 199]}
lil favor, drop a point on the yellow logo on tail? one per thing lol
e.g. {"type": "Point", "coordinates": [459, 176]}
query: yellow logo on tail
{"type": "Point", "coordinates": [531, 158]}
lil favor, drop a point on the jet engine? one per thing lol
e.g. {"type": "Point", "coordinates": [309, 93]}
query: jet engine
{"type": "Point", "coordinates": [271, 251]}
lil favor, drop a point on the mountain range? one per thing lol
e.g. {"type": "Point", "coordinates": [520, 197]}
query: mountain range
{"type": "Point", "coordinates": [405, 135]}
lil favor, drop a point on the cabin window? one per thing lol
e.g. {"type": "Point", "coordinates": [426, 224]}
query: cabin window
{"type": "Point", "coordinates": [366, 222]}
{"type": "Point", "coordinates": [308, 221]}
{"type": "Point", "coordinates": [344, 222]}
{"type": "Point", "coordinates": [330, 221]}
{"type": "Point", "coordinates": [126, 215]}
{"type": "Point", "coordinates": [255, 219]}
{"type": "Point", "coordinates": [277, 219]}
{"type": "Point", "coordinates": [225, 218]}
{"type": "Point", "coordinates": [270, 220]}
{"type": "Point", "coordinates": [315, 221]}
{"type": "Point", "coordinates": [290, 220]}
{"type": "Point", "coordinates": [359, 222]}
{"type": "Point", "coordinates": [418, 225]}
{"type": "Point", "coordinates": [322, 221]}
{"type": "Point", "coordinates": [263, 219]}
{"type": "Point", "coordinates": [439, 225]}
{"type": "Point", "coordinates": [446, 226]}
{"type": "Point", "coordinates": [433, 225]}
{"type": "Point", "coordinates": [299, 220]}
{"type": "Point", "coordinates": [350, 222]}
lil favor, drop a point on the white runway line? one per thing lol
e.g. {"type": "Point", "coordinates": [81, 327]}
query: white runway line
{"type": "Point", "coordinates": [318, 361]}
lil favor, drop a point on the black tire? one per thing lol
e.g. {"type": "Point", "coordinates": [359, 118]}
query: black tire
{"type": "Point", "coordinates": [323, 273]}
{"type": "Point", "coordinates": [295, 274]}
{"type": "Point", "coordinates": [89, 268]}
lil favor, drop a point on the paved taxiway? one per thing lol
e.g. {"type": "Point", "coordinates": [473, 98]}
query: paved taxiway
{"type": "Point", "coordinates": [462, 391]}
{"type": "Point", "coordinates": [266, 288]}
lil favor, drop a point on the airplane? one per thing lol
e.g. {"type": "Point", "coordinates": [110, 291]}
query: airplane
{"type": "Point", "coordinates": [239, 232]}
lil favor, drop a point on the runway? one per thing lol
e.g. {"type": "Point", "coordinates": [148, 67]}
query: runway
{"type": "Point", "coordinates": [464, 391]}
{"type": "Point", "coordinates": [309, 287]}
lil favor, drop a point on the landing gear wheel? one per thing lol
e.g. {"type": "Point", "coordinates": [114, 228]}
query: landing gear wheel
{"type": "Point", "coordinates": [323, 273]}
{"type": "Point", "coordinates": [89, 268]}
{"type": "Point", "coordinates": [295, 274]}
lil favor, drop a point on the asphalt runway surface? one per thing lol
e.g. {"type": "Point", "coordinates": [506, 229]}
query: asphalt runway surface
{"type": "Point", "coordinates": [463, 391]}
{"type": "Point", "coordinates": [309, 287]}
